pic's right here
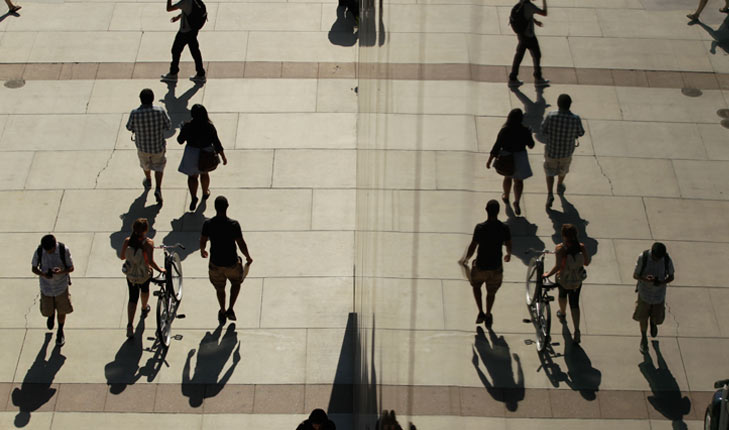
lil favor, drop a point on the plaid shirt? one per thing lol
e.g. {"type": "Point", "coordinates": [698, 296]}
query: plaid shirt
{"type": "Point", "coordinates": [148, 123]}
{"type": "Point", "coordinates": [561, 129]}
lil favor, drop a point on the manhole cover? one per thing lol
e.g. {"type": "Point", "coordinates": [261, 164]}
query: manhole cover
{"type": "Point", "coordinates": [723, 113]}
{"type": "Point", "coordinates": [15, 83]}
{"type": "Point", "coordinates": [691, 92]}
{"type": "Point", "coordinates": [725, 123]}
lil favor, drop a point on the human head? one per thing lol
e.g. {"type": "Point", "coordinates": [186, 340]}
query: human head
{"type": "Point", "coordinates": [569, 233]}
{"type": "Point", "coordinates": [658, 251]}
{"type": "Point", "coordinates": [48, 242]}
{"type": "Point", "coordinates": [492, 208]}
{"type": "Point", "coordinates": [199, 113]}
{"type": "Point", "coordinates": [140, 227]}
{"type": "Point", "coordinates": [564, 101]}
{"type": "Point", "coordinates": [317, 418]}
{"type": "Point", "coordinates": [515, 117]}
{"type": "Point", "coordinates": [146, 96]}
{"type": "Point", "coordinates": [221, 204]}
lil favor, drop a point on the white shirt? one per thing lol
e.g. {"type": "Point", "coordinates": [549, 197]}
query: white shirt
{"type": "Point", "coordinates": [58, 283]}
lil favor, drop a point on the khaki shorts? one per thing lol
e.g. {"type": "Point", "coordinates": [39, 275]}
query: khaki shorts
{"type": "Point", "coordinates": [492, 278]}
{"type": "Point", "coordinates": [152, 161]}
{"type": "Point", "coordinates": [643, 311]}
{"type": "Point", "coordinates": [219, 275]}
{"type": "Point", "coordinates": [60, 303]}
{"type": "Point", "coordinates": [557, 166]}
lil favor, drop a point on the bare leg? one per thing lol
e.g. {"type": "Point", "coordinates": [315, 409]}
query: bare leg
{"type": "Point", "coordinates": [550, 185]}
{"type": "Point", "coordinates": [490, 297]}
{"type": "Point", "coordinates": [205, 182]}
{"type": "Point", "coordinates": [562, 304]}
{"type": "Point", "coordinates": [477, 297]}
{"type": "Point", "coordinates": [695, 15]}
{"type": "Point", "coordinates": [560, 180]}
{"type": "Point", "coordinates": [575, 317]}
{"type": "Point", "coordinates": [192, 185]}
{"type": "Point", "coordinates": [518, 188]}
{"type": "Point", "coordinates": [61, 320]}
{"type": "Point", "coordinates": [145, 299]}
{"type": "Point", "coordinates": [234, 290]}
{"type": "Point", "coordinates": [507, 188]}
{"type": "Point", "coordinates": [147, 175]}
{"type": "Point", "coordinates": [220, 292]}
{"type": "Point", "coordinates": [643, 328]}
{"type": "Point", "coordinates": [131, 310]}
{"type": "Point", "coordinates": [158, 179]}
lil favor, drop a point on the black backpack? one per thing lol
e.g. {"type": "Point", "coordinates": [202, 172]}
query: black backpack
{"type": "Point", "coordinates": [644, 261]}
{"type": "Point", "coordinates": [517, 20]}
{"type": "Point", "coordinates": [198, 15]}
{"type": "Point", "coordinates": [61, 251]}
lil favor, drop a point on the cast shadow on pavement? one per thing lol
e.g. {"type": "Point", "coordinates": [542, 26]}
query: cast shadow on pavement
{"type": "Point", "coordinates": [570, 215]}
{"type": "Point", "coordinates": [666, 398]}
{"type": "Point", "coordinates": [343, 32]}
{"type": "Point", "coordinates": [125, 370]}
{"type": "Point", "coordinates": [36, 391]}
{"type": "Point", "coordinates": [523, 236]}
{"type": "Point", "coordinates": [177, 106]}
{"type": "Point", "coordinates": [137, 209]}
{"type": "Point", "coordinates": [720, 35]}
{"type": "Point", "coordinates": [533, 110]}
{"type": "Point", "coordinates": [189, 222]}
{"type": "Point", "coordinates": [496, 356]}
{"type": "Point", "coordinates": [581, 376]}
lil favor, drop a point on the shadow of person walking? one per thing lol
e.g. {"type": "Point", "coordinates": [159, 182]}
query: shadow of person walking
{"type": "Point", "coordinates": [125, 370]}
{"type": "Point", "coordinates": [137, 209]}
{"type": "Point", "coordinates": [177, 106]}
{"type": "Point", "coordinates": [570, 215]}
{"type": "Point", "coordinates": [720, 35]}
{"type": "Point", "coordinates": [343, 31]}
{"type": "Point", "coordinates": [666, 398]}
{"type": "Point", "coordinates": [581, 376]}
{"type": "Point", "coordinates": [186, 231]}
{"type": "Point", "coordinates": [496, 356]}
{"type": "Point", "coordinates": [523, 236]}
{"type": "Point", "coordinates": [36, 391]}
{"type": "Point", "coordinates": [533, 110]}
{"type": "Point", "coordinates": [212, 355]}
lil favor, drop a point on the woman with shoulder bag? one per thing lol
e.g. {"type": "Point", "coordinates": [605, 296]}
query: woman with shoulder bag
{"type": "Point", "coordinates": [512, 161]}
{"type": "Point", "coordinates": [571, 257]}
{"type": "Point", "coordinates": [201, 152]}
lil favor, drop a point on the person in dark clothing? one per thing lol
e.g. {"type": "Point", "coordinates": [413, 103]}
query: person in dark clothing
{"type": "Point", "coordinates": [513, 139]}
{"type": "Point", "coordinates": [225, 265]}
{"type": "Point", "coordinates": [318, 420]}
{"type": "Point", "coordinates": [528, 41]}
{"type": "Point", "coordinates": [488, 237]}
{"type": "Point", "coordinates": [186, 36]}
{"type": "Point", "coordinates": [200, 135]}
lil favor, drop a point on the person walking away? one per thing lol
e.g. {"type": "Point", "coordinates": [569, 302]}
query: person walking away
{"type": "Point", "coordinates": [193, 15]}
{"type": "Point", "coordinates": [702, 4]}
{"type": "Point", "coordinates": [571, 257]}
{"type": "Point", "coordinates": [52, 263]}
{"type": "Point", "coordinates": [225, 265]}
{"type": "Point", "coordinates": [653, 271]}
{"type": "Point", "coordinates": [138, 254]}
{"type": "Point", "coordinates": [488, 237]}
{"type": "Point", "coordinates": [148, 124]}
{"type": "Point", "coordinates": [560, 130]}
{"type": "Point", "coordinates": [513, 139]}
{"type": "Point", "coordinates": [522, 22]}
{"type": "Point", "coordinates": [200, 135]}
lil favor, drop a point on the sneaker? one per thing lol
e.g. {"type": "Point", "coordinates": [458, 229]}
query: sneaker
{"type": "Point", "coordinates": [561, 188]}
{"type": "Point", "coordinates": [654, 329]}
{"type": "Point", "coordinates": [489, 320]}
{"type": "Point", "coordinates": [60, 339]}
{"type": "Point", "coordinates": [199, 79]}
{"type": "Point", "coordinates": [643, 346]}
{"type": "Point", "coordinates": [550, 200]}
{"type": "Point", "coordinates": [130, 331]}
{"type": "Point", "coordinates": [230, 314]}
{"type": "Point", "coordinates": [481, 318]}
{"type": "Point", "coordinates": [158, 196]}
{"type": "Point", "coordinates": [147, 183]}
{"type": "Point", "coordinates": [49, 322]}
{"type": "Point", "coordinates": [221, 317]}
{"type": "Point", "coordinates": [169, 77]}
{"type": "Point", "coordinates": [577, 337]}
{"type": "Point", "coordinates": [513, 83]}
{"type": "Point", "coordinates": [541, 82]}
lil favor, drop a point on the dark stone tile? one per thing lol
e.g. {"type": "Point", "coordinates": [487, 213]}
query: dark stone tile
{"type": "Point", "coordinates": [665, 79]}
{"type": "Point", "coordinates": [560, 75]}
{"type": "Point", "coordinates": [11, 71]}
{"type": "Point", "coordinates": [115, 71]}
{"type": "Point", "coordinates": [134, 398]}
{"type": "Point", "coordinates": [33, 397]}
{"type": "Point", "coordinates": [448, 72]}
{"type": "Point", "coordinates": [299, 70]}
{"type": "Point", "coordinates": [81, 397]}
{"type": "Point", "coordinates": [571, 404]}
{"type": "Point", "coordinates": [152, 70]}
{"type": "Point", "coordinates": [619, 404]}
{"type": "Point", "coordinates": [723, 80]}
{"type": "Point", "coordinates": [393, 397]}
{"type": "Point", "coordinates": [42, 71]}
{"type": "Point", "coordinates": [5, 403]}
{"type": "Point", "coordinates": [669, 405]}
{"type": "Point", "coordinates": [594, 77]}
{"type": "Point", "coordinates": [337, 399]}
{"type": "Point", "coordinates": [279, 399]}
{"type": "Point", "coordinates": [482, 73]}
{"type": "Point", "coordinates": [176, 398]}
{"type": "Point", "coordinates": [225, 70]}
{"type": "Point", "coordinates": [629, 78]}
{"type": "Point", "coordinates": [337, 70]}
{"type": "Point", "coordinates": [531, 403]}
{"type": "Point", "coordinates": [702, 81]}
{"type": "Point", "coordinates": [79, 71]}
{"type": "Point", "coordinates": [436, 400]}
{"type": "Point", "coordinates": [228, 399]}
{"type": "Point", "coordinates": [699, 401]}
{"type": "Point", "coordinates": [480, 402]}
{"type": "Point", "coordinates": [262, 69]}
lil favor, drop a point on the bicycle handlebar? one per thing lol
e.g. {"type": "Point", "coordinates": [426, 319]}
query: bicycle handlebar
{"type": "Point", "coordinates": [536, 251]}
{"type": "Point", "coordinates": [177, 245]}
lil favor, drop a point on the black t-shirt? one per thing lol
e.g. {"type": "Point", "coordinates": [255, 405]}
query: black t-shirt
{"type": "Point", "coordinates": [513, 139]}
{"type": "Point", "coordinates": [490, 236]}
{"type": "Point", "coordinates": [222, 232]}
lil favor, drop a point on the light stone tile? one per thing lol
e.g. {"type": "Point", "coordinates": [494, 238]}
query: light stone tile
{"type": "Point", "coordinates": [461, 311]}
{"type": "Point", "coordinates": [702, 179]}
{"type": "Point", "coordinates": [588, 101]}
{"type": "Point", "coordinates": [592, 179]}
{"type": "Point", "coordinates": [260, 95]}
{"type": "Point", "coordinates": [666, 104]}
{"type": "Point", "coordinates": [314, 168]}
{"type": "Point", "coordinates": [644, 24]}
{"type": "Point", "coordinates": [43, 205]}
{"type": "Point", "coordinates": [91, 421]}
{"type": "Point", "coordinates": [81, 46]}
{"type": "Point", "coordinates": [562, 21]}
{"type": "Point", "coordinates": [406, 169]}
{"type": "Point", "coordinates": [306, 302]}
{"type": "Point", "coordinates": [271, 357]}
{"type": "Point", "coordinates": [121, 96]}
{"type": "Point", "coordinates": [703, 360]}
{"type": "Point", "coordinates": [415, 304]}
{"type": "Point", "coordinates": [268, 17]}
{"type": "Point", "coordinates": [424, 132]}
{"type": "Point", "coordinates": [16, 47]}
{"type": "Point", "coordinates": [39, 421]}
{"type": "Point", "coordinates": [329, 355]}
{"type": "Point", "coordinates": [214, 45]}
{"type": "Point", "coordinates": [714, 137]}
{"type": "Point", "coordinates": [200, 304]}
{"type": "Point", "coordinates": [265, 209]}
{"type": "Point", "coordinates": [423, 19]}
{"type": "Point", "coordinates": [63, 17]}
{"type": "Point", "coordinates": [122, 171]}
{"type": "Point", "coordinates": [14, 169]}
{"type": "Point", "coordinates": [245, 168]}
{"type": "Point", "coordinates": [333, 210]}
{"type": "Point", "coordinates": [607, 310]}
{"type": "Point", "coordinates": [487, 129]}
{"type": "Point", "coordinates": [574, 424]}
{"type": "Point", "coordinates": [719, 298]}
{"type": "Point", "coordinates": [225, 124]}
{"type": "Point", "coordinates": [97, 303]}
{"type": "Point", "coordinates": [296, 46]}
{"type": "Point", "coordinates": [668, 217]}
{"type": "Point", "coordinates": [272, 131]}
{"type": "Point", "coordinates": [664, 424]}
{"type": "Point", "coordinates": [38, 97]}
{"type": "Point", "coordinates": [22, 310]}
{"type": "Point", "coordinates": [236, 421]}
{"type": "Point", "coordinates": [637, 176]}
{"type": "Point", "coordinates": [647, 139]}
{"type": "Point", "coordinates": [499, 50]}
{"type": "Point", "coordinates": [59, 132]}
{"type": "Point", "coordinates": [336, 95]}
{"type": "Point", "coordinates": [26, 244]}
{"type": "Point", "coordinates": [717, 56]}
{"type": "Point", "coordinates": [432, 47]}
{"type": "Point", "coordinates": [148, 17]}
{"type": "Point", "coordinates": [641, 54]}
{"type": "Point", "coordinates": [688, 313]}
{"type": "Point", "coordinates": [50, 169]}
{"type": "Point", "coordinates": [11, 343]}
{"type": "Point", "coordinates": [460, 422]}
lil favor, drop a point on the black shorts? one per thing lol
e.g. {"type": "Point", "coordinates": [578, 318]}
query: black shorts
{"type": "Point", "coordinates": [134, 290]}
{"type": "Point", "coordinates": [574, 296]}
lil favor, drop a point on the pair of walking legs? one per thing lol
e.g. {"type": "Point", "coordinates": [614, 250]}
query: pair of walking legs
{"type": "Point", "coordinates": [702, 4]}
{"type": "Point", "coordinates": [192, 182]}
{"type": "Point", "coordinates": [550, 183]}
{"type": "Point", "coordinates": [12, 8]}
{"type": "Point", "coordinates": [573, 297]}
{"type": "Point", "coordinates": [518, 189]}
{"type": "Point", "coordinates": [188, 39]}
{"type": "Point", "coordinates": [531, 44]}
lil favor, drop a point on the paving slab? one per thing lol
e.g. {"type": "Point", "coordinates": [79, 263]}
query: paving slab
{"type": "Point", "coordinates": [289, 302]}
{"type": "Point", "coordinates": [274, 131]}
{"type": "Point", "coordinates": [59, 132]}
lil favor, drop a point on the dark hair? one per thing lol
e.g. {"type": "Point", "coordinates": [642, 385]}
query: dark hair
{"type": "Point", "coordinates": [658, 250]}
{"type": "Point", "coordinates": [199, 113]}
{"type": "Point", "coordinates": [221, 204]}
{"type": "Point", "coordinates": [569, 232]}
{"type": "Point", "coordinates": [146, 96]}
{"type": "Point", "coordinates": [48, 242]}
{"type": "Point", "coordinates": [318, 416]}
{"type": "Point", "coordinates": [492, 208]}
{"type": "Point", "coordinates": [141, 226]}
{"type": "Point", "coordinates": [514, 119]}
{"type": "Point", "coordinates": [564, 101]}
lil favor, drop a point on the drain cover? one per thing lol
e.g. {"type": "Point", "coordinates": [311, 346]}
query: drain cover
{"type": "Point", "coordinates": [15, 83]}
{"type": "Point", "coordinates": [691, 92]}
{"type": "Point", "coordinates": [725, 123]}
{"type": "Point", "coordinates": [723, 113]}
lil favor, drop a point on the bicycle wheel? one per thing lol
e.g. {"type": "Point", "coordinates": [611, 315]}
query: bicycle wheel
{"type": "Point", "coordinates": [544, 323]}
{"type": "Point", "coordinates": [173, 265]}
{"type": "Point", "coordinates": [163, 319]}
{"type": "Point", "coordinates": [533, 279]}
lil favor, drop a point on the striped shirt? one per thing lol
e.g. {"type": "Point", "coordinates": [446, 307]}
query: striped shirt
{"type": "Point", "coordinates": [560, 129]}
{"type": "Point", "coordinates": [148, 123]}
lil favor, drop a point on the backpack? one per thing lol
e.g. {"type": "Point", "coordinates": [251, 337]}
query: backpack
{"type": "Point", "coordinates": [517, 20]}
{"type": "Point", "coordinates": [573, 272]}
{"type": "Point", "coordinates": [198, 15]}
{"type": "Point", "coordinates": [61, 251]}
{"type": "Point", "coordinates": [644, 261]}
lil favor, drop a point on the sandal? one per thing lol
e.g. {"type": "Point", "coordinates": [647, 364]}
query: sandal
{"type": "Point", "coordinates": [206, 195]}
{"type": "Point", "coordinates": [145, 311]}
{"type": "Point", "coordinates": [130, 331]}
{"type": "Point", "coordinates": [505, 198]}
{"type": "Point", "coordinates": [15, 9]}
{"type": "Point", "coordinates": [692, 17]}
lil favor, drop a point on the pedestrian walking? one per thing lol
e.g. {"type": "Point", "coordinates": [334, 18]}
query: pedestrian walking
{"type": "Point", "coordinates": [52, 263]}
{"type": "Point", "coordinates": [12, 8]}
{"type": "Point", "coordinates": [653, 271]}
{"type": "Point", "coordinates": [318, 420]}
{"type": "Point", "coordinates": [488, 237]}
{"type": "Point", "coordinates": [702, 4]}
{"type": "Point", "coordinates": [560, 131]}
{"type": "Point", "coordinates": [201, 152]}
{"type": "Point", "coordinates": [192, 17]}
{"type": "Point", "coordinates": [571, 257]}
{"type": "Point", "coordinates": [138, 254]}
{"type": "Point", "coordinates": [148, 124]}
{"type": "Point", "coordinates": [225, 265]}
{"type": "Point", "coordinates": [511, 144]}
{"type": "Point", "coordinates": [522, 22]}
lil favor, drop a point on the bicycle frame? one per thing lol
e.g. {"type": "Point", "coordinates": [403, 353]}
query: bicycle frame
{"type": "Point", "coordinates": [167, 301]}
{"type": "Point", "coordinates": [538, 300]}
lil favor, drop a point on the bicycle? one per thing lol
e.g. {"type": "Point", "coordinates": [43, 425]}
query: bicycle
{"type": "Point", "coordinates": [717, 413]}
{"type": "Point", "coordinates": [169, 294]}
{"type": "Point", "coordinates": [538, 298]}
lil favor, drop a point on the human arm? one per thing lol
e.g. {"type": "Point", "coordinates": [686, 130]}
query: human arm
{"type": "Point", "coordinates": [244, 249]}
{"type": "Point", "coordinates": [218, 146]}
{"type": "Point", "coordinates": [149, 255]}
{"type": "Point", "coordinates": [529, 139]}
{"type": "Point", "coordinates": [37, 271]}
{"type": "Point", "coordinates": [558, 257]}
{"type": "Point", "coordinates": [125, 245]}
{"type": "Point", "coordinates": [542, 11]}
{"type": "Point", "coordinates": [585, 255]}
{"type": "Point", "coordinates": [172, 7]}
{"type": "Point", "coordinates": [182, 135]}
{"type": "Point", "coordinates": [469, 253]}
{"type": "Point", "coordinates": [497, 147]}
{"type": "Point", "coordinates": [507, 257]}
{"type": "Point", "coordinates": [637, 275]}
{"type": "Point", "coordinates": [203, 245]}
{"type": "Point", "coordinates": [130, 122]}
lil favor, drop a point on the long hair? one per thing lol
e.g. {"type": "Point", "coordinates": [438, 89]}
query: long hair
{"type": "Point", "coordinates": [569, 233]}
{"type": "Point", "coordinates": [514, 119]}
{"type": "Point", "coordinates": [139, 228]}
{"type": "Point", "coordinates": [199, 114]}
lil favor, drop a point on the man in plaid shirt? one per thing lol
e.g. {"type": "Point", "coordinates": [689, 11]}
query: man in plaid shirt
{"type": "Point", "coordinates": [148, 123]}
{"type": "Point", "coordinates": [560, 131]}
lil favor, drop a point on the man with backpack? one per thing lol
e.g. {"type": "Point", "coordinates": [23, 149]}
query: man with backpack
{"type": "Point", "coordinates": [522, 23]}
{"type": "Point", "coordinates": [192, 18]}
{"type": "Point", "coordinates": [52, 263]}
{"type": "Point", "coordinates": [653, 271]}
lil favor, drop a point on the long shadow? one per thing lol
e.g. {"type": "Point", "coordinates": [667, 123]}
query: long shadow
{"type": "Point", "coordinates": [570, 215]}
{"type": "Point", "coordinates": [176, 106]}
{"type": "Point", "coordinates": [189, 222]}
{"type": "Point", "coordinates": [343, 32]}
{"type": "Point", "coordinates": [137, 209]}
{"type": "Point", "coordinates": [342, 397]}
{"type": "Point", "coordinates": [496, 356]}
{"type": "Point", "coordinates": [533, 110]}
{"type": "Point", "coordinates": [125, 370]}
{"type": "Point", "coordinates": [666, 398]}
{"type": "Point", "coordinates": [581, 376]}
{"type": "Point", "coordinates": [720, 35]}
{"type": "Point", "coordinates": [36, 391]}
{"type": "Point", "coordinates": [7, 14]}
{"type": "Point", "coordinates": [371, 28]}
{"type": "Point", "coordinates": [523, 236]}
{"type": "Point", "coordinates": [212, 355]}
